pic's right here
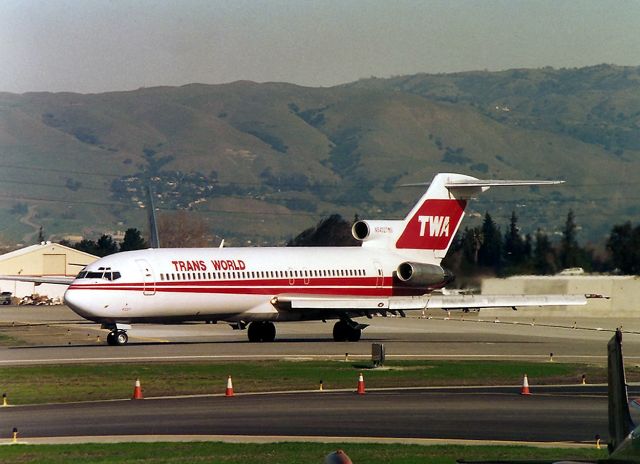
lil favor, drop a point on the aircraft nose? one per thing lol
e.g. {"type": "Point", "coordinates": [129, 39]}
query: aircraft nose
{"type": "Point", "coordinates": [80, 302]}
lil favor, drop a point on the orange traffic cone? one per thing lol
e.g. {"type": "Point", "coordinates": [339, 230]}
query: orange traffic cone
{"type": "Point", "coordinates": [360, 384]}
{"type": "Point", "coordinates": [229, 391]}
{"type": "Point", "coordinates": [525, 386]}
{"type": "Point", "coordinates": [137, 391]}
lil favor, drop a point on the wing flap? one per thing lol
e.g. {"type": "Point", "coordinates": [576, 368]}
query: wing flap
{"type": "Point", "coordinates": [446, 302]}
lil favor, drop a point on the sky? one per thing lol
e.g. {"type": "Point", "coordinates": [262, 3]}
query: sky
{"type": "Point", "coordinates": [92, 46]}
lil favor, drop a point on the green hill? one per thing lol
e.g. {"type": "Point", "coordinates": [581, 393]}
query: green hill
{"type": "Point", "coordinates": [261, 162]}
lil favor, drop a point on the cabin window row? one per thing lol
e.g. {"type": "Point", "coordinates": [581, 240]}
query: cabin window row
{"type": "Point", "coordinates": [263, 274]}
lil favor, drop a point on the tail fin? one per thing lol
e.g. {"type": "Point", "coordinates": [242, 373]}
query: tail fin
{"type": "Point", "coordinates": [620, 423]}
{"type": "Point", "coordinates": [428, 230]}
{"type": "Point", "coordinates": [434, 220]}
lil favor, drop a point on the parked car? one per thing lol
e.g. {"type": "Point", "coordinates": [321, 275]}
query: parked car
{"type": "Point", "coordinates": [5, 298]}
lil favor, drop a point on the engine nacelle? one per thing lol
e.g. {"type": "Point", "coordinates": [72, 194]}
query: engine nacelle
{"type": "Point", "coordinates": [423, 275]}
{"type": "Point", "coordinates": [366, 231]}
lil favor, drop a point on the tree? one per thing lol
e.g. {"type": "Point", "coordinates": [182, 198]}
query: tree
{"type": "Point", "coordinates": [132, 240]}
{"type": "Point", "coordinates": [569, 249]}
{"type": "Point", "coordinates": [106, 245]}
{"type": "Point", "coordinates": [514, 245]}
{"type": "Point", "coordinates": [624, 245]}
{"type": "Point", "coordinates": [471, 243]}
{"type": "Point", "coordinates": [544, 261]}
{"type": "Point", "coordinates": [88, 246]}
{"type": "Point", "coordinates": [182, 229]}
{"type": "Point", "coordinates": [490, 252]}
{"type": "Point", "coordinates": [40, 235]}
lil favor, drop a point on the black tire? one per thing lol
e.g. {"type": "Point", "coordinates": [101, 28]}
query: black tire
{"type": "Point", "coordinates": [340, 331]}
{"type": "Point", "coordinates": [121, 338]}
{"type": "Point", "coordinates": [254, 332]}
{"type": "Point", "coordinates": [111, 339]}
{"type": "Point", "coordinates": [261, 331]}
{"type": "Point", "coordinates": [269, 332]}
{"type": "Point", "coordinates": [354, 335]}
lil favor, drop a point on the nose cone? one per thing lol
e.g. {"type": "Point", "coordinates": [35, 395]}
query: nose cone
{"type": "Point", "coordinates": [80, 302]}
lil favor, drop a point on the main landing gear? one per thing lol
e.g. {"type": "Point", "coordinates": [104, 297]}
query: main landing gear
{"type": "Point", "coordinates": [261, 331]}
{"type": "Point", "coordinates": [347, 330]}
{"type": "Point", "coordinates": [117, 337]}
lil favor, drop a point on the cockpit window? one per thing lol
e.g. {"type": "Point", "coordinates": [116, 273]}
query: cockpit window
{"type": "Point", "coordinates": [109, 275]}
{"type": "Point", "coordinates": [95, 275]}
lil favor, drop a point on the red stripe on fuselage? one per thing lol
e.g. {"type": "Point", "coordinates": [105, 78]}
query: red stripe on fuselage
{"type": "Point", "coordinates": [339, 287]}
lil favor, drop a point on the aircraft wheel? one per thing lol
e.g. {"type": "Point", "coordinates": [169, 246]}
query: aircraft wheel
{"type": "Point", "coordinates": [253, 332]}
{"type": "Point", "coordinates": [340, 331]}
{"type": "Point", "coordinates": [269, 332]}
{"type": "Point", "coordinates": [354, 334]}
{"type": "Point", "coordinates": [121, 338]}
{"type": "Point", "coordinates": [261, 331]}
{"type": "Point", "coordinates": [111, 339]}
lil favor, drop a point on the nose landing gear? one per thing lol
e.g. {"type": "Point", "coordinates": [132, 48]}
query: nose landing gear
{"type": "Point", "coordinates": [117, 337]}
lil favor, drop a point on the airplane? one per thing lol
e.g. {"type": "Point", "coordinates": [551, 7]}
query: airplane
{"type": "Point", "coordinates": [396, 269]}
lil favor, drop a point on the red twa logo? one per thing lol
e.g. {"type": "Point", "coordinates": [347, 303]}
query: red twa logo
{"type": "Point", "coordinates": [438, 225]}
{"type": "Point", "coordinates": [432, 227]}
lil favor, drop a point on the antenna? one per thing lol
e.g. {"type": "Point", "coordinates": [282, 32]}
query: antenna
{"type": "Point", "coordinates": [154, 238]}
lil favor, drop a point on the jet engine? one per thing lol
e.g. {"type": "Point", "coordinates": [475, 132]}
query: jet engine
{"type": "Point", "coordinates": [376, 231]}
{"type": "Point", "coordinates": [423, 275]}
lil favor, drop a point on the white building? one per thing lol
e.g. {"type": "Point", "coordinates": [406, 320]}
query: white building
{"type": "Point", "coordinates": [45, 259]}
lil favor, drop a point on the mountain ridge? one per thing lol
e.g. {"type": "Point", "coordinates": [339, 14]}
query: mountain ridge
{"type": "Point", "coordinates": [263, 161]}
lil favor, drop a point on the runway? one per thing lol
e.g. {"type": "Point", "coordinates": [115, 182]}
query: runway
{"type": "Point", "coordinates": [57, 335]}
{"type": "Point", "coordinates": [553, 414]}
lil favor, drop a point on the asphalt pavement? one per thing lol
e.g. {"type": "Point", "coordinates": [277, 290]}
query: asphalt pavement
{"type": "Point", "coordinates": [551, 414]}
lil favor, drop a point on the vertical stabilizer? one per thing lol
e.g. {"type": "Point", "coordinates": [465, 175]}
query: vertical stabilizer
{"type": "Point", "coordinates": [433, 222]}
{"type": "Point", "coordinates": [620, 423]}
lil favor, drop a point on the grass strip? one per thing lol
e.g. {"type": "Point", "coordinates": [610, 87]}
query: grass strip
{"type": "Point", "coordinates": [278, 453]}
{"type": "Point", "coordinates": [65, 383]}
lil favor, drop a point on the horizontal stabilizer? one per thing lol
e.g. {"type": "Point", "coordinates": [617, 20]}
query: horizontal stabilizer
{"type": "Point", "coordinates": [500, 183]}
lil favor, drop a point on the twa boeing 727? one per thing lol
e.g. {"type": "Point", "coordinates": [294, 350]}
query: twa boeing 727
{"type": "Point", "coordinates": [396, 269]}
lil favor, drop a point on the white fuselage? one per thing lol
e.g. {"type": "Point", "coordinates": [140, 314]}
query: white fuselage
{"type": "Point", "coordinates": [231, 284]}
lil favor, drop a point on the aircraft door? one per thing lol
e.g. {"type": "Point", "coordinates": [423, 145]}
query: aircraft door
{"type": "Point", "coordinates": [148, 281]}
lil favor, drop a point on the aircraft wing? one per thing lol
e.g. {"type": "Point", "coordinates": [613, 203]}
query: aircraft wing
{"type": "Point", "coordinates": [62, 280]}
{"type": "Point", "coordinates": [446, 302]}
